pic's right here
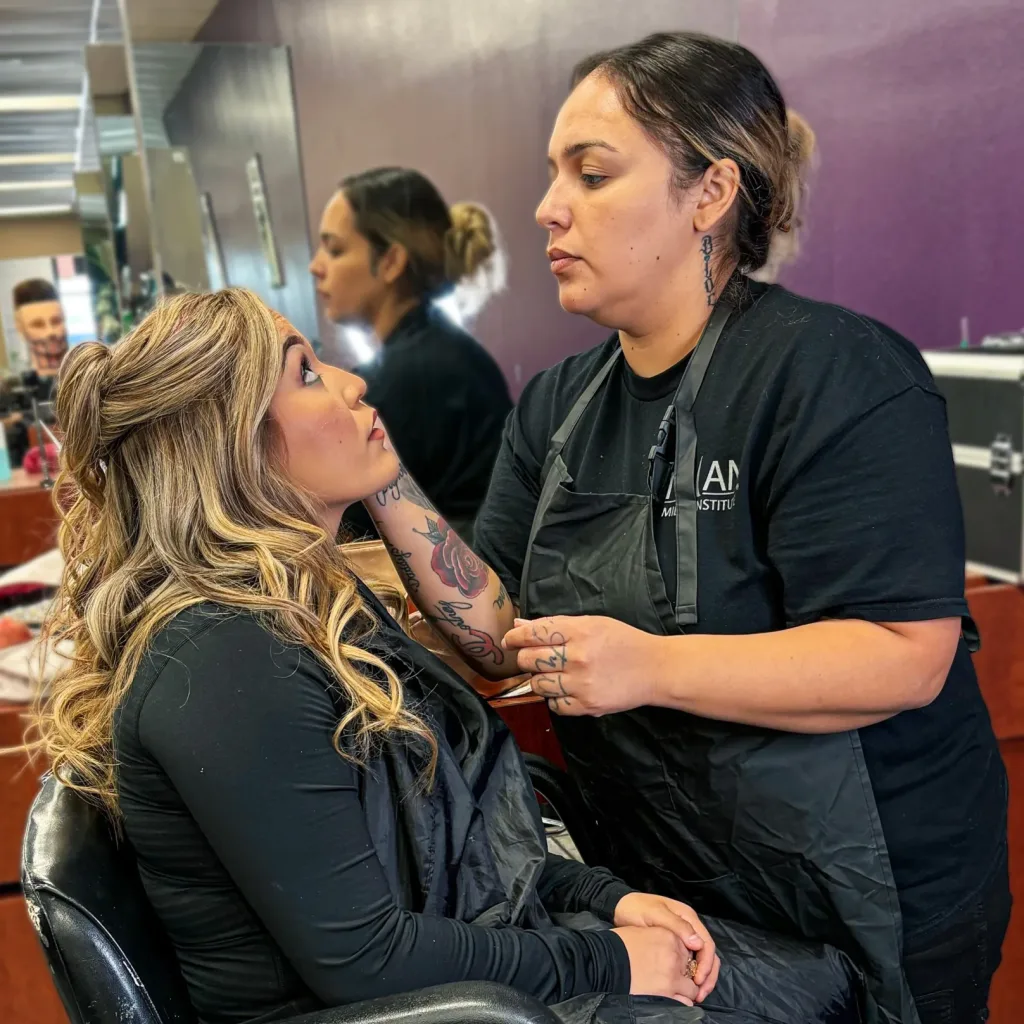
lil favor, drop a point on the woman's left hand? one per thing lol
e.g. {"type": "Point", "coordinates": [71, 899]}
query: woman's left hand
{"type": "Point", "coordinates": [585, 664]}
{"type": "Point", "coordinates": [644, 910]}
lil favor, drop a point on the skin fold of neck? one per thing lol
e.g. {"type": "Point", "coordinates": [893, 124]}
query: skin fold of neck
{"type": "Point", "coordinates": [673, 335]}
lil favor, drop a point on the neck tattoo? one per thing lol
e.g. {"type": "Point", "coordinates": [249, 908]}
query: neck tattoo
{"type": "Point", "coordinates": [709, 285]}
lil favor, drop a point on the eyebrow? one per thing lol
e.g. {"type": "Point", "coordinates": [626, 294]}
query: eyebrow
{"type": "Point", "coordinates": [575, 148]}
{"type": "Point", "coordinates": [289, 342]}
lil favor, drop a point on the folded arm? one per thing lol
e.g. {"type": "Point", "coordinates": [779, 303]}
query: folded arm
{"type": "Point", "coordinates": [458, 592]}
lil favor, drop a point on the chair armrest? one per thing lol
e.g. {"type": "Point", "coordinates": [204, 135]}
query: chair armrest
{"type": "Point", "coordinates": [464, 1002]}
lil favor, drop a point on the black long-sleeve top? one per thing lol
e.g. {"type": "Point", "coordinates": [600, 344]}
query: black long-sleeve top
{"type": "Point", "coordinates": [444, 401]}
{"type": "Point", "coordinates": [254, 850]}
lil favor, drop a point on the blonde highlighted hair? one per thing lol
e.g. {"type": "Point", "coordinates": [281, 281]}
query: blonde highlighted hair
{"type": "Point", "coordinates": [176, 494]}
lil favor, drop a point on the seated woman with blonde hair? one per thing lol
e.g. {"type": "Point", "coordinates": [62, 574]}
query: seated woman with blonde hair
{"type": "Point", "coordinates": [321, 810]}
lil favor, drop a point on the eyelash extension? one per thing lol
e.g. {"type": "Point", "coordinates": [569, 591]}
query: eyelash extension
{"type": "Point", "coordinates": [306, 368]}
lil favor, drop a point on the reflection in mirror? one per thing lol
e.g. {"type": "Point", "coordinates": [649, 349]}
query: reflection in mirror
{"type": "Point", "coordinates": [124, 180]}
{"type": "Point", "coordinates": [98, 248]}
{"type": "Point", "coordinates": [221, 147]}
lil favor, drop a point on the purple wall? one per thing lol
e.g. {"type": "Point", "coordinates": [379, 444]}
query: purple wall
{"type": "Point", "coordinates": [466, 91]}
{"type": "Point", "coordinates": [916, 215]}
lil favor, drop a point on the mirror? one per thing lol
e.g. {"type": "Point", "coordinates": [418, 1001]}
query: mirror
{"type": "Point", "coordinates": [227, 203]}
{"type": "Point", "coordinates": [118, 225]}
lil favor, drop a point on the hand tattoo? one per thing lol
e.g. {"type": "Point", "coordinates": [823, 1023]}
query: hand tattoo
{"type": "Point", "coordinates": [706, 246]}
{"type": "Point", "coordinates": [403, 486]}
{"type": "Point", "coordinates": [478, 645]}
{"type": "Point", "coordinates": [548, 672]}
{"type": "Point", "coordinates": [452, 561]}
{"type": "Point", "coordinates": [405, 570]}
{"type": "Point", "coordinates": [499, 601]}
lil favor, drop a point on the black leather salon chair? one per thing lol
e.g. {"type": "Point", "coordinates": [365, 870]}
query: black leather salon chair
{"type": "Point", "coordinates": [112, 963]}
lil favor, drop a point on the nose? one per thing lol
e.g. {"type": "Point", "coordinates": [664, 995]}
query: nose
{"type": "Point", "coordinates": [314, 266]}
{"type": "Point", "coordinates": [354, 389]}
{"type": "Point", "coordinates": [553, 212]}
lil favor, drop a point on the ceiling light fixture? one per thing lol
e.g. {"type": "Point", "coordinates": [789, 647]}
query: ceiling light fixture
{"type": "Point", "coordinates": [12, 103]}
{"type": "Point", "coordinates": [28, 159]}
{"type": "Point", "coordinates": [33, 211]}
{"type": "Point", "coordinates": [26, 186]}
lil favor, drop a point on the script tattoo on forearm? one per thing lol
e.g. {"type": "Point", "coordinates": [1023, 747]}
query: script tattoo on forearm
{"type": "Point", "coordinates": [404, 486]}
{"type": "Point", "coordinates": [454, 564]}
{"type": "Point", "coordinates": [405, 570]}
{"type": "Point", "coordinates": [478, 645]}
{"type": "Point", "coordinates": [499, 601]}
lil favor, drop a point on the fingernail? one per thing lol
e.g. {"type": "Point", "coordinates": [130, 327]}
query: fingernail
{"type": "Point", "coordinates": [520, 622]}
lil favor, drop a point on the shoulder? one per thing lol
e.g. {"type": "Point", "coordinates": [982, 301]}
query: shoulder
{"type": "Point", "coordinates": [550, 395]}
{"type": "Point", "coordinates": [225, 651]}
{"type": "Point", "coordinates": [433, 346]}
{"type": "Point", "coordinates": [815, 345]}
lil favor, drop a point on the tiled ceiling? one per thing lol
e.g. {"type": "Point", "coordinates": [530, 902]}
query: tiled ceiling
{"type": "Point", "coordinates": [42, 56]}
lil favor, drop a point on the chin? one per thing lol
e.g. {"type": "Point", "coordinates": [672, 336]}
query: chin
{"type": "Point", "coordinates": [574, 298]}
{"type": "Point", "coordinates": [385, 470]}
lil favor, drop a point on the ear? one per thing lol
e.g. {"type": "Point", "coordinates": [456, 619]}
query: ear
{"type": "Point", "coordinates": [718, 190]}
{"type": "Point", "coordinates": [391, 266]}
{"type": "Point", "coordinates": [19, 321]}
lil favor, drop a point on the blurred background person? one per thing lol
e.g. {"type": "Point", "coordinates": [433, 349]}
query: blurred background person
{"type": "Point", "coordinates": [390, 249]}
{"type": "Point", "coordinates": [785, 244]}
{"type": "Point", "coordinates": [39, 319]}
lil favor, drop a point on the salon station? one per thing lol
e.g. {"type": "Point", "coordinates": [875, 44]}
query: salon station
{"type": "Point", "coordinates": [511, 520]}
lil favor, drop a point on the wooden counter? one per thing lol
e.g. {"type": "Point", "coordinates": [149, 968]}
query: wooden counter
{"type": "Point", "coordinates": [27, 994]}
{"type": "Point", "coordinates": [28, 520]}
{"type": "Point", "coordinates": [998, 610]}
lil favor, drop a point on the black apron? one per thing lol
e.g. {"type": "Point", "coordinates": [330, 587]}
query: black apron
{"type": "Point", "coordinates": [473, 848]}
{"type": "Point", "coordinates": [778, 830]}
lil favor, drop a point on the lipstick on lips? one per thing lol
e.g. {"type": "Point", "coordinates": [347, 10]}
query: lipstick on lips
{"type": "Point", "coordinates": [561, 260]}
{"type": "Point", "coordinates": [376, 430]}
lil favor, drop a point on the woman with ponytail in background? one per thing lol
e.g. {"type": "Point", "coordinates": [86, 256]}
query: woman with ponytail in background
{"type": "Point", "coordinates": [390, 247]}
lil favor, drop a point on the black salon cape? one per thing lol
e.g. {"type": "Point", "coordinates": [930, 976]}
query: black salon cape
{"type": "Point", "coordinates": [472, 848]}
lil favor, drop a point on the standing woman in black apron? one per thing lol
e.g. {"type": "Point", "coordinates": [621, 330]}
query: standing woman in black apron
{"type": "Point", "coordinates": [734, 535]}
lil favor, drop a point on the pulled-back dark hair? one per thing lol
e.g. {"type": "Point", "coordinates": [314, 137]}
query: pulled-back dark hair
{"type": "Point", "coordinates": [398, 205]}
{"type": "Point", "coordinates": [705, 99]}
{"type": "Point", "coordinates": [35, 289]}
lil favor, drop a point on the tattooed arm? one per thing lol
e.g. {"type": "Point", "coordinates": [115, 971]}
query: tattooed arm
{"type": "Point", "coordinates": [454, 589]}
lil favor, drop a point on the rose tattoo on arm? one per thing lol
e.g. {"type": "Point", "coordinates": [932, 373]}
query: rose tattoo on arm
{"type": "Point", "coordinates": [452, 560]}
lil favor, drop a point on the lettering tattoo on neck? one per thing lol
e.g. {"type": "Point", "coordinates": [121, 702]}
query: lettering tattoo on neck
{"type": "Point", "coordinates": [478, 645]}
{"type": "Point", "coordinates": [706, 246]}
{"type": "Point", "coordinates": [403, 486]}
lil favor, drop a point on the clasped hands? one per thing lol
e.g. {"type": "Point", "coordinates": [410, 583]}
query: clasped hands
{"type": "Point", "coordinates": [585, 664]}
{"type": "Point", "coordinates": [670, 951]}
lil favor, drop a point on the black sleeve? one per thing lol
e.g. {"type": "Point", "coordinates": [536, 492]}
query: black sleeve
{"type": "Point", "coordinates": [568, 887]}
{"type": "Point", "coordinates": [871, 526]}
{"type": "Point", "coordinates": [243, 727]}
{"type": "Point", "coordinates": [503, 523]}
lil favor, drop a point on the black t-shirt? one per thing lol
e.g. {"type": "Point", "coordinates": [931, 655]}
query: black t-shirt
{"type": "Point", "coordinates": [444, 401]}
{"type": "Point", "coordinates": [253, 845]}
{"type": "Point", "coordinates": [826, 488]}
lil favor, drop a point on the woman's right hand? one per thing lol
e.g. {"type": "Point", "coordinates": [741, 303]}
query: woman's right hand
{"type": "Point", "coordinates": [659, 964]}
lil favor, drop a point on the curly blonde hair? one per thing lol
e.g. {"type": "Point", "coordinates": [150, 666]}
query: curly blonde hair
{"type": "Point", "coordinates": [177, 494]}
